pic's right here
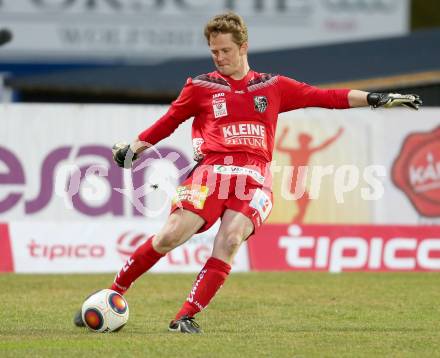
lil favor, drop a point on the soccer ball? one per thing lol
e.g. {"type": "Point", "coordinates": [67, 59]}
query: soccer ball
{"type": "Point", "coordinates": [105, 311]}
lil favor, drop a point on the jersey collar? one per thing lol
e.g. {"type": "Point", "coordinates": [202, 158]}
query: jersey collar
{"type": "Point", "coordinates": [239, 84]}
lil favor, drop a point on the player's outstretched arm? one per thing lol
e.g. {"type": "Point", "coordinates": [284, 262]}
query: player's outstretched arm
{"type": "Point", "coordinates": [387, 100]}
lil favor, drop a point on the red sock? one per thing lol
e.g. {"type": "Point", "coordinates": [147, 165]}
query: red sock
{"type": "Point", "coordinates": [141, 261]}
{"type": "Point", "coordinates": [208, 282]}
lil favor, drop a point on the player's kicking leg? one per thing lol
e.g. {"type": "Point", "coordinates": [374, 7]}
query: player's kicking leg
{"type": "Point", "coordinates": [234, 230]}
{"type": "Point", "coordinates": [180, 226]}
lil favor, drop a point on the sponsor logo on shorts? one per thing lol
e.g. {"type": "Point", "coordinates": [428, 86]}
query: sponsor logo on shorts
{"type": "Point", "coordinates": [247, 133]}
{"type": "Point", "coordinates": [234, 170]}
{"type": "Point", "coordinates": [262, 203]}
{"type": "Point", "coordinates": [196, 195]}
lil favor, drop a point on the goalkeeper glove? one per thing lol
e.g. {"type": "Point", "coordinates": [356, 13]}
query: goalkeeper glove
{"type": "Point", "coordinates": [389, 100]}
{"type": "Point", "coordinates": [123, 155]}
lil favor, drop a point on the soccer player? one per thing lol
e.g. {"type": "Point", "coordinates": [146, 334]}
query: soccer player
{"type": "Point", "coordinates": [235, 112]}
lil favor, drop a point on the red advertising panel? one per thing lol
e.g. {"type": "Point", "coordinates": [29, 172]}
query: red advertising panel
{"type": "Point", "coordinates": [6, 262]}
{"type": "Point", "coordinates": [337, 248]}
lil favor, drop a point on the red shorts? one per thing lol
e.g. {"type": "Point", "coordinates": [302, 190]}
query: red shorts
{"type": "Point", "coordinates": [210, 189]}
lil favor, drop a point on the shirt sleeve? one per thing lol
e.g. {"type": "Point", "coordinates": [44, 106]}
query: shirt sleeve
{"type": "Point", "coordinates": [296, 95]}
{"type": "Point", "coordinates": [183, 108]}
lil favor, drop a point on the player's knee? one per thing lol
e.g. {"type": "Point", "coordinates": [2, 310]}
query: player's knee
{"type": "Point", "coordinates": [232, 242]}
{"type": "Point", "coordinates": [170, 237]}
{"type": "Point", "coordinates": [165, 241]}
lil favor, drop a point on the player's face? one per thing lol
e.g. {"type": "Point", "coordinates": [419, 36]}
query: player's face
{"type": "Point", "coordinates": [227, 55]}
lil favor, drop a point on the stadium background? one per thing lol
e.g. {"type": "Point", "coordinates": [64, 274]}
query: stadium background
{"type": "Point", "coordinates": [71, 87]}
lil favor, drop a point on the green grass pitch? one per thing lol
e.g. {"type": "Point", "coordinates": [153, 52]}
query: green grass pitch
{"type": "Point", "coordinates": [254, 315]}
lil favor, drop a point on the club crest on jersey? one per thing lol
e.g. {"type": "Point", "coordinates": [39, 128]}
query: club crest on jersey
{"type": "Point", "coordinates": [260, 103]}
{"type": "Point", "coordinates": [219, 105]}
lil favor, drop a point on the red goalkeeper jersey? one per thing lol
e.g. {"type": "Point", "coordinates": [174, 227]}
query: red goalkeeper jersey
{"type": "Point", "coordinates": [239, 116]}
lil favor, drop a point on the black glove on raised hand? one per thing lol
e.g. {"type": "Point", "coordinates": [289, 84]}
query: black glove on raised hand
{"type": "Point", "coordinates": [389, 100]}
{"type": "Point", "coordinates": [123, 155]}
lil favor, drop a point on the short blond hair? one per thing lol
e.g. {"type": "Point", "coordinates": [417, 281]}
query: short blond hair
{"type": "Point", "coordinates": [227, 23]}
